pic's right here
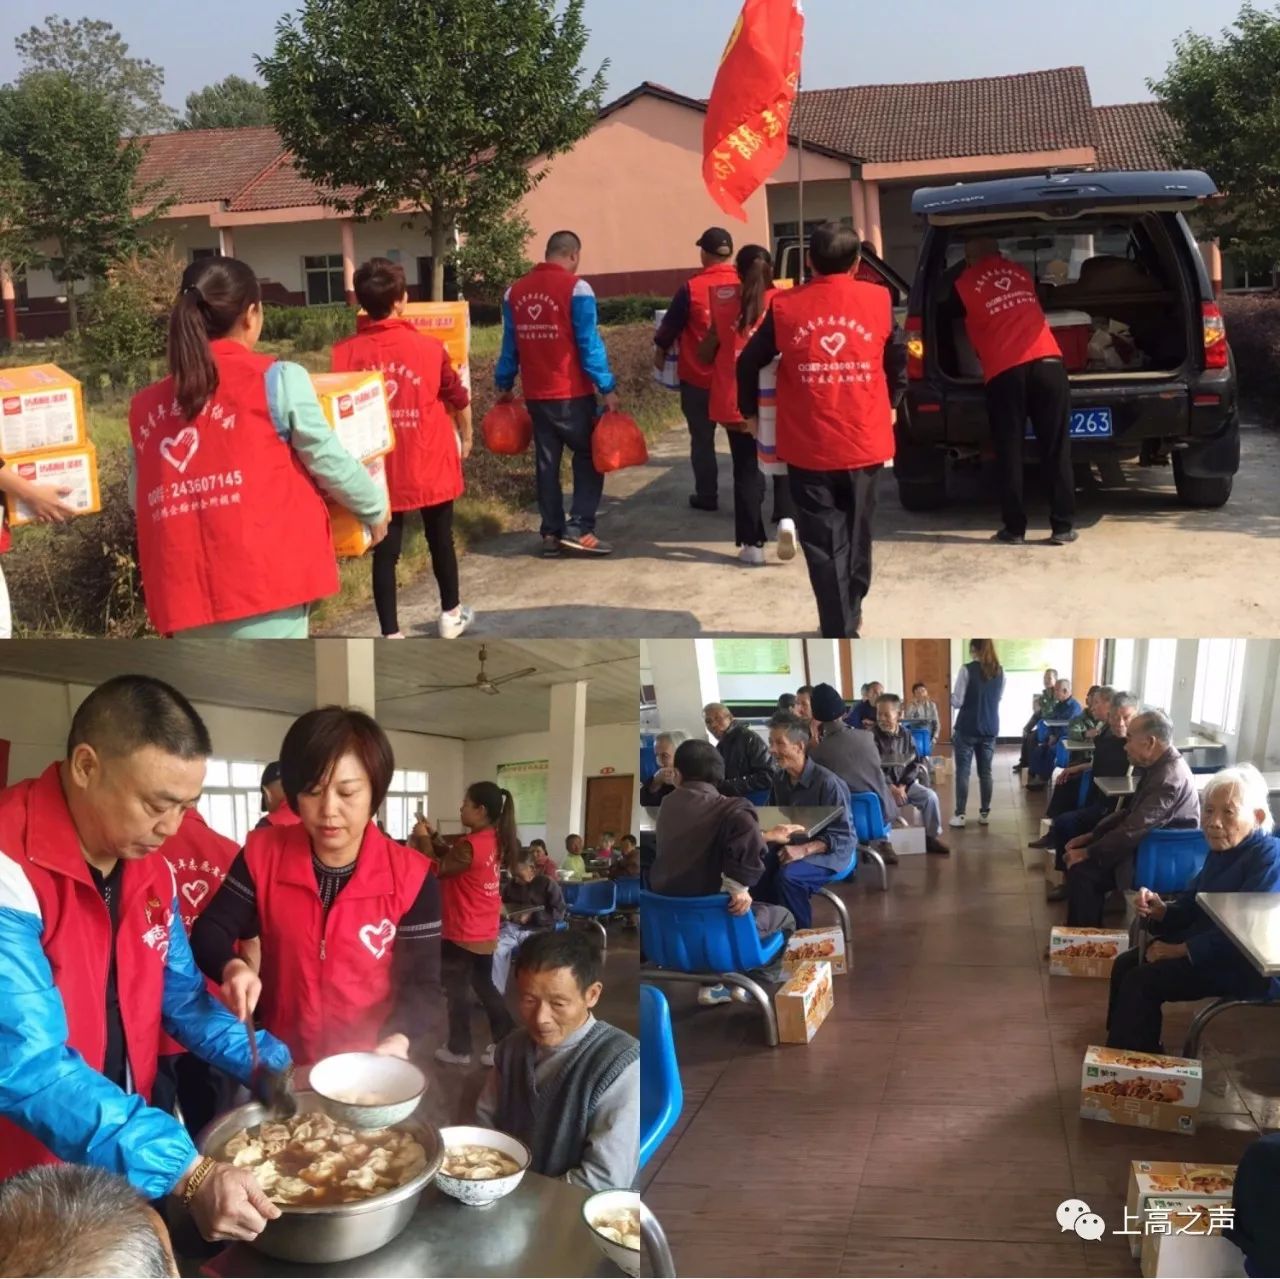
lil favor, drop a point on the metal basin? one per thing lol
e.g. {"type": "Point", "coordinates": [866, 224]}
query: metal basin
{"type": "Point", "coordinates": [332, 1232]}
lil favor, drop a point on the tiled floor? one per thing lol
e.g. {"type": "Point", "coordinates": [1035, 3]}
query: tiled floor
{"type": "Point", "coordinates": [931, 1127]}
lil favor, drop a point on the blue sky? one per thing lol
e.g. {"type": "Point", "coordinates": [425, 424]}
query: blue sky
{"type": "Point", "coordinates": [678, 42]}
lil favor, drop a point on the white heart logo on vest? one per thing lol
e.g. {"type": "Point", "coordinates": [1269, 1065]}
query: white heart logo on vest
{"type": "Point", "coordinates": [195, 892]}
{"type": "Point", "coordinates": [833, 344]}
{"type": "Point", "coordinates": [393, 389]}
{"type": "Point", "coordinates": [535, 311]}
{"type": "Point", "coordinates": [1004, 284]}
{"type": "Point", "coordinates": [377, 937]}
{"type": "Point", "coordinates": [178, 450]}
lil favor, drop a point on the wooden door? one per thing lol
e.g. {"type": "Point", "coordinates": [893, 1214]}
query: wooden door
{"type": "Point", "coordinates": [1084, 667]}
{"type": "Point", "coordinates": [928, 661]}
{"type": "Point", "coordinates": [609, 806]}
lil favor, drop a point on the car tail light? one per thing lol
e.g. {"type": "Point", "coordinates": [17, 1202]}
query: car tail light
{"type": "Point", "coordinates": [915, 348]}
{"type": "Point", "coordinates": [1215, 337]}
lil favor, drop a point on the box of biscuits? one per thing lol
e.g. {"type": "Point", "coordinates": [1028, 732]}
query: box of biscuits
{"type": "Point", "coordinates": [1150, 1180]}
{"type": "Point", "coordinates": [1142, 1090]}
{"type": "Point", "coordinates": [1183, 1237]}
{"type": "Point", "coordinates": [1085, 952]}
{"type": "Point", "coordinates": [804, 1002]}
{"type": "Point", "coordinates": [810, 944]}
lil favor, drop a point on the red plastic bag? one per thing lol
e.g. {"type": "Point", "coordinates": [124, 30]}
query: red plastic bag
{"type": "Point", "coordinates": [617, 442]}
{"type": "Point", "coordinates": [507, 428]}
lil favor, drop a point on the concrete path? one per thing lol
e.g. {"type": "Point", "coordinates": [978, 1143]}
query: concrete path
{"type": "Point", "coordinates": [1144, 565]}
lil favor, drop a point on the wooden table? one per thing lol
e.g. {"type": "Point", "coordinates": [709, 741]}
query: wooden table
{"type": "Point", "coordinates": [1120, 787]}
{"type": "Point", "coordinates": [1252, 921]}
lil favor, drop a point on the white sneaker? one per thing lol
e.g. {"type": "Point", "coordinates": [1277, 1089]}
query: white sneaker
{"type": "Point", "coordinates": [452, 1059]}
{"type": "Point", "coordinates": [741, 996]}
{"type": "Point", "coordinates": [751, 557]}
{"type": "Point", "coordinates": [984, 818]}
{"type": "Point", "coordinates": [787, 542]}
{"type": "Point", "coordinates": [486, 1058]}
{"type": "Point", "coordinates": [957, 822]}
{"type": "Point", "coordinates": [709, 996]}
{"type": "Point", "coordinates": [454, 624]}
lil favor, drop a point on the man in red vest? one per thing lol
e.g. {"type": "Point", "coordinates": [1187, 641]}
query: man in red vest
{"type": "Point", "coordinates": [1025, 378]}
{"type": "Point", "coordinates": [551, 337]}
{"type": "Point", "coordinates": [94, 960]}
{"type": "Point", "coordinates": [842, 372]}
{"type": "Point", "coordinates": [275, 805]}
{"type": "Point", "coordinates": [688, 321]}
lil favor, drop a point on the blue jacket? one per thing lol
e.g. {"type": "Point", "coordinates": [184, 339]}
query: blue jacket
{"type": "Point", "coordinates": [819, 787]}
{"type": "Point", "coordinates": [53, 1093]}
{"type": "Point", "coordinates": [979, 713]}
{"type": "Point", "coordinates": [1251, 867]}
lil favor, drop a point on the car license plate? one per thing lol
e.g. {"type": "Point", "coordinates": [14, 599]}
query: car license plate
{"type": "Point", "coordinates": [1086, 424]}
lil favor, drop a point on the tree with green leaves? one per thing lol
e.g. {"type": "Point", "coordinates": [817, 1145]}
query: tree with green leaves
{"type": "Point", "coordinates": [233, 103]}
{"type": "Point", "coordinates": [17, 245]}
{"type": "Point", "coordinates": [448, 109]}
{"type": "Point", "coordinates": [94, 54]}
{"type": "Point", "coordinates": [489, 258]}
{"type": "Point", "coordinates": [82, 181]}
{"type": "Point", "coordinates": [1223, 96]}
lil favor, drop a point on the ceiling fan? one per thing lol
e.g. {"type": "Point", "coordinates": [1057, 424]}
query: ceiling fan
{"type": "Point", "coordinates": [482, 683]}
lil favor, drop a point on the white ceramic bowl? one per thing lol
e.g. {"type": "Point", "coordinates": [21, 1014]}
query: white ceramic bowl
{"type": "Point", "coordinates": [481, 1194]}
{"type": "Point", "coordinates": [393, 1086]}
{"type": "Point", "coordinates": [605, 1203]}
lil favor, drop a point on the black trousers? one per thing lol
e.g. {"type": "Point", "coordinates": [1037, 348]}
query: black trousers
{"type": "Point", "coordinates": [1139, 990]}
{"type": "Point", "coordinates": [834, 515]}
{"type": "Point", "coordinates": [462, 972]}
{"type": "Point", "coordinates": [1040, 391]}
{"type": "Point", "coordinates": [695, 404]}
{"type": "Point", "coordinates": [748, 490]}
{"type": "Point", "coordinates": [1087, 887]}
{"type": "Point", "coordinates": [1065, 797]}
{"type": "Point", "coordinates": [783, 506]}
{"type": "Point", "coordinates": [437, 524]}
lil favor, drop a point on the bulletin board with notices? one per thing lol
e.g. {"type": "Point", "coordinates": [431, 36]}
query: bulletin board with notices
{"type": "Point", "coordinates": [753, 656]}
{"type": "Point", "coordinates": [527, 782]}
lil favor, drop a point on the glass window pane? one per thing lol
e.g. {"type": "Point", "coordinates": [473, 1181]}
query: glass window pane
{"type": "Point", "coordinates": [397, 780]}
{"type": "Point", "coordinates": [1157, 688]}
{"type": "Point", "coordinates": [246, 774]}
{"type": "Point", "coordinates": [416, 782]}
{"type": "Point", "coordinates": [396, 817]}
{"type": "Point", "coordinates": [222, 816]}
{"type": "Point", "coordinates": [203, 805]}
{"type": "Point", "coordinates": [1122, 664]}
{"type": "Point", "coordinates": [215, 772]}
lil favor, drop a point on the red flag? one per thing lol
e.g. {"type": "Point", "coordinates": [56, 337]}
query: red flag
{"type": "Point", "coordinates": [745, 136]}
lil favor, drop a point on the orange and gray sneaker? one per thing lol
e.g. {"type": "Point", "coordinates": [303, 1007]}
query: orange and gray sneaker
{"type": "Point", "coordinates": [587, 543]}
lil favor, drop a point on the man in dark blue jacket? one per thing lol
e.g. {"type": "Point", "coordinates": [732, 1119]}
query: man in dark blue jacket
{"type": "Point", "coordinates": [1192, 958]}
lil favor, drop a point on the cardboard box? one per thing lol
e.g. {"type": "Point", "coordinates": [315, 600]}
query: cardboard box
{"type": "Point", "coordinates": [357, 407]}
{"type": "Point", "coordinates": [809, 945]}
{"type": "Point", "coordinates": [1085, 952]}
{"type": "Point", "coordinates": [450, 323]}
{"type": "Point", "coordinates": [41, 408]}
{"type": "Point", "coordinates": [1183, 1237]}
{"type": "Point", "coordinates": [804, 1002]}
{"type": "Point", "coordinates": [1142, 1090]}
{"type": "Point", "coordinates": [351, 539]}
{"type": "Point", "coordinates": [73, 468]}
{"type": "Point", "coordinates": [1154, 1180]}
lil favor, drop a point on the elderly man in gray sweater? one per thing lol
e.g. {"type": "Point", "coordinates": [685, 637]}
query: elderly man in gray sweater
{"type": "Point", "coordinates": [565, 1083]}
{"type": "Point", "coordinates": [1165, 796]}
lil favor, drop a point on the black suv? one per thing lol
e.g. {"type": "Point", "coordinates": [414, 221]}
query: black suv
{"type": "Point", "coordinates": [1117, 266]}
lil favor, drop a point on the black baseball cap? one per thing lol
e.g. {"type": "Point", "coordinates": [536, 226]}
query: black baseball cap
{"type": "Point", "coordinates": [717, 241]}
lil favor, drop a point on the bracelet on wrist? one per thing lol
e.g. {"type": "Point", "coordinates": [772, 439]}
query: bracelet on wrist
{"type": "Point", "coordinates": [197, 1179]}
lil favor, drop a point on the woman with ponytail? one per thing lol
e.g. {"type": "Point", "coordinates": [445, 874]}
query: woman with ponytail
{"type": "Point", "coordinates": [472, 909]}
{"type": "Point", "coordinates": [231, 454]}
{"type": "Point", "coordinates": [736, 313]}
{"type": "Point", "coordinates": [976, 699]}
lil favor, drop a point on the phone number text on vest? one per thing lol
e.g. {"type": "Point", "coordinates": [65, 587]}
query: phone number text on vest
{"type": "Point", "coordinates": [199, 493]}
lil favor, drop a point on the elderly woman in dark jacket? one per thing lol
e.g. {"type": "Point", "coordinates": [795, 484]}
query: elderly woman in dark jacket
{"type": "Point", "coordinates": [1191, 958]}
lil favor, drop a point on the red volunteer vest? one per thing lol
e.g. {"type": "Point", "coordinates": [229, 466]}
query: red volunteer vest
{"type": "Point", "coordinates": [425, 467]}
{"type": "Point", "coordinates": [284, 816]}
{"type": "Point", "coordinates": [326, 983]}
{"type": "Point", "coordinates": [726, 302]}
{"type": "Point", "coordinates": [698, 325]}
{"type": "Point", "coordinates": [833, 398]}
{"type": "Point", "coordinates": [230, 525]}
{"type": "Point", "coordinates": [37, 833]}
{"type": "Point", "coordinates": [471, 903]}
{"type": "Point", "coordinates": [1003, 316]}
{"type": "Point", "coordinates": [542, 310]}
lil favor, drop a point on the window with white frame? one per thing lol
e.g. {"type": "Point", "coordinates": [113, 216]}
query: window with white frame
{"type": "Point", "coordinates": [1121, 664]}
{"type": "Point", "coordinates": [1219, 676]}
{"type": "Point", "coordinates": [232, 798]}
{"type": "Point", "coordinates": [323, 276]}
{"type": "Point", "coordinates": [1157, 683]}
{"type": "Point", "coordinates": [405, 796]}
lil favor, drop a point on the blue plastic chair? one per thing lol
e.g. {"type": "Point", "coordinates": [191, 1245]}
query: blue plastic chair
{"type": "Point", "coordinates": [1168, 860]}
{"type": "Point", "coordinates": [1063, 756]}
{"type": "Point", "coordinates": [923, 739]}
{"type": "Point", "coordinates": [868, 825]}
{"type": "Point", "coordinates": [1086, 781]}
{"type": "Point", "coordinates": [594, 902]}
{"type": "Point", "coordinates": [570, 893]}
{"type": "Point", "coordinates": [661, 1094]}
{"type": "Point", "coordinates": [759, 797]}
{"type": "Point", "coordinates": [695, 939]}
{"type": "Point", "coordinates": [842, 911]}
{"type": "Point", "coordinates": [628, 893]}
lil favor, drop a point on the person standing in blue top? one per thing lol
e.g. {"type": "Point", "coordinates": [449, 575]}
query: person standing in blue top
{"type": "Point", "coordinates": [1191, 958]}
{"type": "Point", "coordinates": [976, 696]}
{"type": "Point", "coordinates": [551, 338]}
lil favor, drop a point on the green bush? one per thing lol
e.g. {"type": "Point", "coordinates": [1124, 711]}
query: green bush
{"type": "Point", "coordinates": [633, 308]}
{"type": "Point", "coordinates": [311, 327]}
{"type": "Point", "coordinates": [121, 334]}
{"type": "Point", "coordinates": [1253, 329]}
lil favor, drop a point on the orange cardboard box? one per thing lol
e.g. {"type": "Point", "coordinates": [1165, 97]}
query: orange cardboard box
{"type": "Point", "coordinates": [1184, 1238]}
{"type": "Point", "coordinates": [1085, 952]}
{"type": "Point", "coordinates": [359, 411]}
{"type": "Point", "coordinates": [41, 408]}
{"type": "Point", "coordinates": [804, 1002]}
{"type": "Point", "coordinates": [1143, 1090]}
{"type": "Point", "coordinates": [808, 945]}
{"type": "Point", "coordinates": [73, 468]}
{"type": "Point", "coordinates": [1150, 1180]}
{"type": "Point", "coordinates": [351, 539]}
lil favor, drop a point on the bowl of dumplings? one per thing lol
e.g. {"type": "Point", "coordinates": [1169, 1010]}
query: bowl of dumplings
{"type": "Point", "coordinates": [613, 1217]}
{"type": "Point", "coordinates": [479, 1166]}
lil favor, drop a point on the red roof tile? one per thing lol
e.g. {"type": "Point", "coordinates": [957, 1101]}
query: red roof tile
{"type": "Point", "coordinates": [279, 186]}
{"type": "Point", "coordinates": [1133, 136]}
{"type": "Point", "coordinates": [203, 165]}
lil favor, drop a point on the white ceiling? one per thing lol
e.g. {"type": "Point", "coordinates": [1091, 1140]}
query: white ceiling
{"type": "Point", "coordinates": [275, 675]}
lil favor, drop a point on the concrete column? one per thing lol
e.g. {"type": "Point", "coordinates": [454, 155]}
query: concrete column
{"type": "Point", "coordinates": [873, 231]}
{"type": "Point", "coordinates": [824, 662]}
{"type": "Point", "coordinates": [345, 674]}
{"type": "Point", "coordinates": [349, 261]}
{"type": "Point", "coordinates": [684, 681]}
{"type": "Point", "coordinates": [9, 295]}
{"type": "Point", "coordinates": [226, 242]}
{"type": "Point", "coordinates": [858, 201]}
{"type": "Point", "coordinates": [566, 786]}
